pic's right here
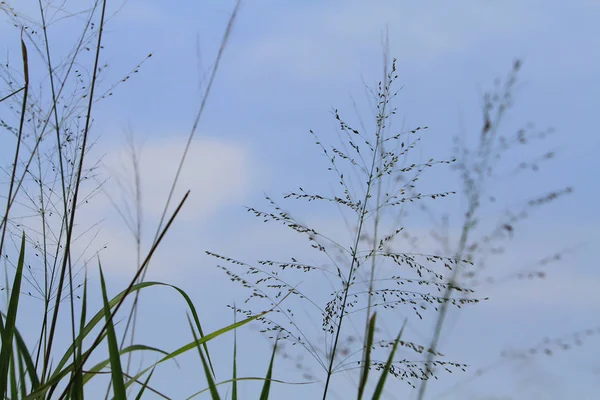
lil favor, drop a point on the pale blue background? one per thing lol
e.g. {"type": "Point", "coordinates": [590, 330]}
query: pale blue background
{"type": "Point", "coordinates": [288, 63]}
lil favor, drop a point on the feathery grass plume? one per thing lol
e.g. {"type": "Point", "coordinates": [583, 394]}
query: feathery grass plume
{"type": "Point", "coordinates": [375, 174]}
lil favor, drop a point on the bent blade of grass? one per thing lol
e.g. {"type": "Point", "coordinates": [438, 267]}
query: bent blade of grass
{"type": "Point", "coordinates": [113, 347]}
{"type": "Point", "coordinates": [195, 343]}
{"type": "Point", "coordinates": [8, 329]}
{"type": "Point", "coordinates": [89, 374]}
{"type": "Point", "coordinates": [99, 316]}
{"type": "Point", "coordinates": [62, 369]}
{"type": "Point", "coordinates": [92, 372]}
{"type": "Point", "coordinates": [211, 336]}
{"type": "Point", "coordinates": [207, 372]}
{"type": "Point", "coordinates": [264, 395]}
{"type": "Point", "coordinates": [388, 365]}
{"type": "Point", "coordinates": [367, 360]}
{"type": "Point", "coordinates": [140, 270]}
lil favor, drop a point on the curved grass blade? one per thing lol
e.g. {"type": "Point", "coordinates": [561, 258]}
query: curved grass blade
{"type": "Point", "coordinates": [63, 368]}
{"type": "Point", "coordinates": [99, 316]}
{"type": "Point", "coordinates": [195, 343]}
{"type": "Point", "coordinates": [92, 372]}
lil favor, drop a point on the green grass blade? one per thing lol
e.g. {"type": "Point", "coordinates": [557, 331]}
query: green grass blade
{"type": "Point", "coordinates": [91, 373]}
{"type": "Point", "coordinates": [113, 347]}
{"type": "Point", "coordinates": [23, 351]}
{"type": "Point", "coordinates": [192, 309]}
{"type": "Point", "coordinates": [264, 395]}
{"type": "Point", "coordinates": [388, 364]}
{"type": "Point", "coordinates": [208, 337]}
{"type": "Point", "coordinates": [11, 320]}
{"type": "Point", "coordinates": [366, 368]}
{"type": "Point", "coordinates": [14, 385]}
{"type": "Point", "coordinates": [144, 386]}
{"type": "Point", "coordinates": [195, 343]}
{"type": "Point", "coordinates": [22, 373]}
{"type": "Point", "coordinates": [99, 317]}
{"type": "Point", "coordinates": [207, 372]}
{"type": "Point", "coordinates": [63, 367]}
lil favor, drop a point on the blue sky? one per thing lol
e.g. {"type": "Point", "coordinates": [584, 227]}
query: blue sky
{"type": "Point", "coordinates": [286, 66]}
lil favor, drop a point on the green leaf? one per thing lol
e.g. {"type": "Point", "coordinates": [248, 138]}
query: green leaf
{"type": "Point", "coordinates": [14, 386]}
{"type": "Point", "coordinates": [63, 367]}
{"type": "Point", "coordinates": [99, 316]}
{"type": "Point", "coordinates": [21, 347]}
{"type": "Point", "coordinates": [367, 361]}
{"type": "Point", "coordinates": [8, 328]}
{"type": "Point", "coordinates": [264, 395]}
{"type": "Point", "coordinates": [113, 347]}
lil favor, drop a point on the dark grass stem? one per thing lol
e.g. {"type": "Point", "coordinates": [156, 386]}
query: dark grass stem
{"type": "Point", "coordinates": [19, 139]}
{"type": "Point", "coordinates": [69, 228]}
{"type": "Point", "coordinates": [62, 181]}
{"type": "Point", "coordinates": [372, 180]}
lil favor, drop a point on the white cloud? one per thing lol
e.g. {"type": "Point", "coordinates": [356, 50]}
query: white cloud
{"type": "Point", "coordinates": [217, 173]}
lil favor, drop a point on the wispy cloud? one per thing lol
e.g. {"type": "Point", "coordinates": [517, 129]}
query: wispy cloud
{"type": "Point", "coordinates": [218, 173]}
{"type": "Point", "coordinates": [315, 42]}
